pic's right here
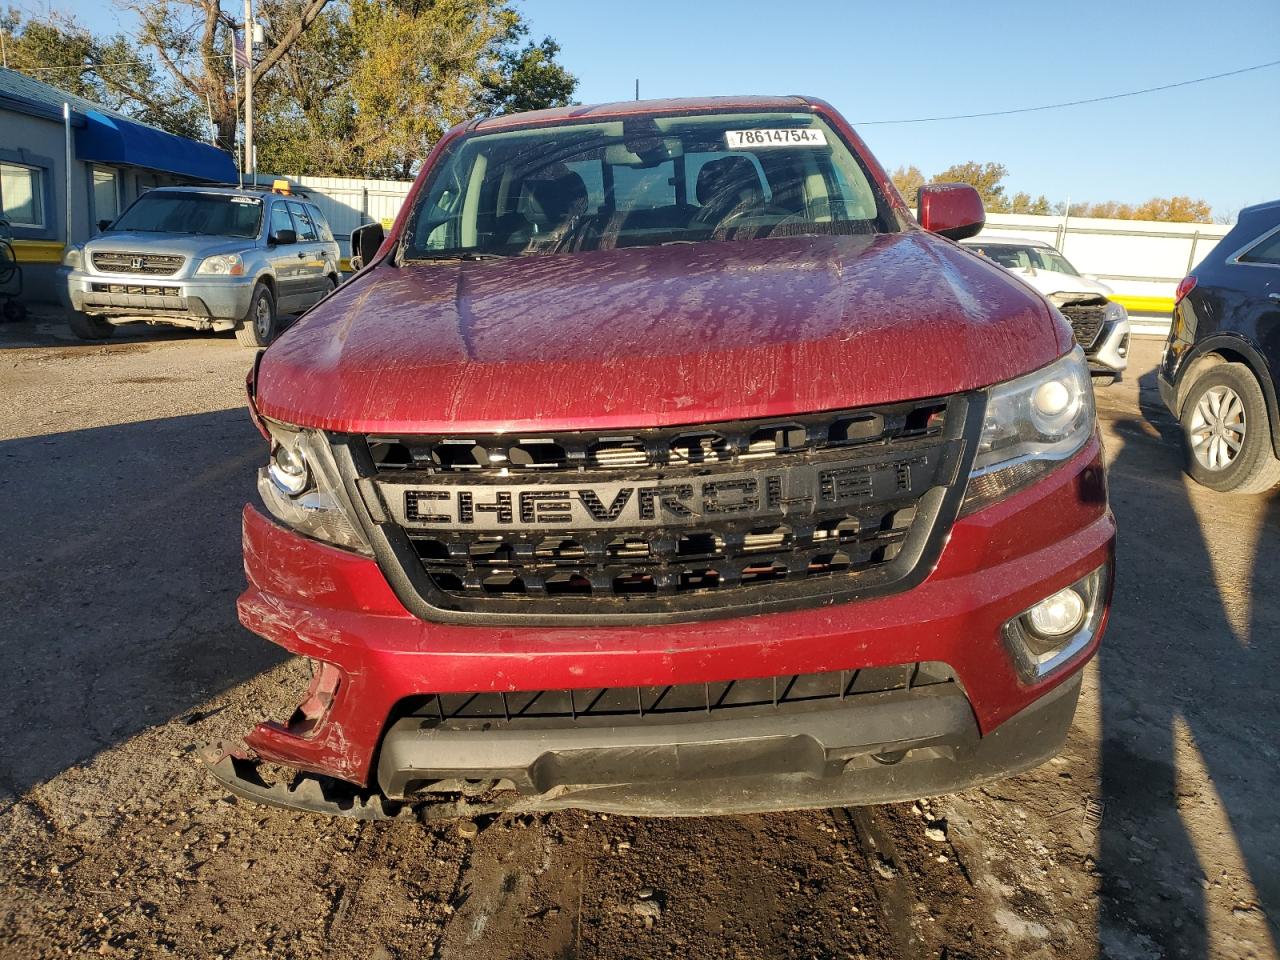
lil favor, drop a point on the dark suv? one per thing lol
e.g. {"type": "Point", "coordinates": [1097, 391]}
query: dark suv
{"type": "Point", "coordinates": [1218, 375]}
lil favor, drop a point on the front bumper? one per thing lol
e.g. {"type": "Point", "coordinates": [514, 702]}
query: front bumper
{"type": "Point", "coordinates": [214, 302]}
{"type": "Point", "coordinates": [337, 608]}
{"type": "Point", "coordinates": [1111, 353]}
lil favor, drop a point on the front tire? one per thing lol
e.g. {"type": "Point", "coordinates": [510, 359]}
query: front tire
{"type": "Point", "coordinates": [260, 326]}
{"type": "Point", "coordinates": [1227, 433]}
{"type": "Point", "coordinates": [90, 328]}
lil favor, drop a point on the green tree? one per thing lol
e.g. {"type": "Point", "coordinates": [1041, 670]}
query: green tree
{"type": "Point", "coordinates": [986, 178]}
{"type": "Point", "coordinates": [373, 85]}
{"type": "Point", "coordinates": [1023, 203]}
{"type": "Point", "coordinates": [908, 180]}
{"type": "Point", "coordinates": [112, 70]}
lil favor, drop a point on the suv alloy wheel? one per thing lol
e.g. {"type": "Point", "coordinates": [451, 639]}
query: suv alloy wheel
{"type": "Point", "coordinates": [1227, 432]}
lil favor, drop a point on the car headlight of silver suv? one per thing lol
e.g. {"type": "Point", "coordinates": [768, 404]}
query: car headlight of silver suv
{"type": "Point", "coordinates": [1114, 312]}
{"type": "Point", "coordinates": [300, 487]}
{"type": "Point", "coordinates": [222, 265]}
{"type": "Point", "coordinates": [1032, 424]}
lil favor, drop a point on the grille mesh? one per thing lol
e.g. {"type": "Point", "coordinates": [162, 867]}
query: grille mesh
{"type": "Point", "coordinates": [675, 701]}
{"type": "Point", "coordinates": [1086, 321]}
{"type": "Point", "coordinates": [806, 506]}
{"type": "Point", "coordinates": [152, 264]}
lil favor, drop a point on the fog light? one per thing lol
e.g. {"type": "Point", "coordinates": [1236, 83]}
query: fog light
{"type": "Point", "coordinates": [1058, 615]}
{"type": "Point", "coordinates": [1059, 628]}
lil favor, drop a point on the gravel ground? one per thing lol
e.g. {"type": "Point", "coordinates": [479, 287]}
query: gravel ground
{"type": "Point", "coordinates": [122, 470]}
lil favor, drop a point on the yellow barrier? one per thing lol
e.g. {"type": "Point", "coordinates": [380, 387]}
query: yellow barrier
{"type": "Point", "coordinates": [38, 251]}
{"type": "Point", "coordinates": [1145, 304]}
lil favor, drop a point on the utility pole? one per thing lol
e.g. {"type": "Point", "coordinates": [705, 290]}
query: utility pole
{"type": "Point", "coordinates": [250, 154]}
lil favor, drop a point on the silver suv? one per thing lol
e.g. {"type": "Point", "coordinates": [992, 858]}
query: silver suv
{"type": "Point", "coordinates": [212, 258]}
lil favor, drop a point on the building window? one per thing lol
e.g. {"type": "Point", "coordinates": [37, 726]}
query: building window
{"type": "Point", "coordinates": [106, 194]}
{"type": "Point", "coordinates": [22, 195]}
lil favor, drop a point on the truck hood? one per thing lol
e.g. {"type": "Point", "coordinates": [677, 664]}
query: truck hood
{"type": "Point", "coordinates": [655, 336]}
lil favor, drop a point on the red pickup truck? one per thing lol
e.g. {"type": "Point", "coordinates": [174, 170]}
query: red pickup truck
{"type": "Point", "coordinates": [657, 460]}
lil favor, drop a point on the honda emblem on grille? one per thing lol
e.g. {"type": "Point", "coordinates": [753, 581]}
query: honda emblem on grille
{"type": "Point", "coordinates": [137, 263]}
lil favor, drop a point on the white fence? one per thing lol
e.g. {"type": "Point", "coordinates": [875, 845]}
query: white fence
{"type": "Point", "coordinates": [1141, 260]}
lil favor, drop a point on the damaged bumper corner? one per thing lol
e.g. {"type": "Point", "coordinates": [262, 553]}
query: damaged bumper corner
{"type": "Point", "coordinates": [236, 768]}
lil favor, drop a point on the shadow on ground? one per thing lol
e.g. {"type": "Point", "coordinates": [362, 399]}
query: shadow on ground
{"type": "Point", "coordinates": [1164, 705]}
{"type": "Point", "coordinates": [118, 578]}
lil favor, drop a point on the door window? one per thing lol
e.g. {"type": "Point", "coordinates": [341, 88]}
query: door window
{"type": "Point", "coordinates": [306, 229]}
{"type": "Point", "coordinates": [322, 225]}
{"type": "Point", "coordinates": [1267, 251]}
{"type": "Point", "coordinates": [280, 219]}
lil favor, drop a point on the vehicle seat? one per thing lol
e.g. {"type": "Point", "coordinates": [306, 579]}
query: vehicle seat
{"type": "Point", "coordinates": [725, 186]}
{"type": "Point", "coordinates": [552, 201]}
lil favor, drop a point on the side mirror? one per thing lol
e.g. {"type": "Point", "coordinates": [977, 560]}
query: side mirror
{"type": "Point", "coordinates": [103, 225]}
{"type": "Point", "coordinates": [365, 241]}
{"type": "Point", "coordinates": [283, 237]}
{"type": "Point", "coordinates": [951, 210]}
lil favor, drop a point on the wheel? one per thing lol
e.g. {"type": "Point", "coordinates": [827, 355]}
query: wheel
{"type": "Point", "coordinates": [259, 328]}
{"type": "Point", "coordinates": [14, 311]}
{"type": "Point", "coordinates": [1227, 432]}
{"type": "Point", "coordinates": [89, 328]}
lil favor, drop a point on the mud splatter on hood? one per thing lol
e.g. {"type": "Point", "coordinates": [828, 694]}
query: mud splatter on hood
{"type": "Point", "coordinates": [655, 336]}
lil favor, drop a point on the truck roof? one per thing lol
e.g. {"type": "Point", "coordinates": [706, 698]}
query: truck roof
{"type": "Point", "coordinates": [628, 108]}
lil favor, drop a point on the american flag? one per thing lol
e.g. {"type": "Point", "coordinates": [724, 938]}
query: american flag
{"type": "Point", "coordinates": [240, 40]}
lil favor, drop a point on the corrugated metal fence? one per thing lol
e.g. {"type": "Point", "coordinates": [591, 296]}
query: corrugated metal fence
{"type": "Point", "coordinates": [1141, 260]}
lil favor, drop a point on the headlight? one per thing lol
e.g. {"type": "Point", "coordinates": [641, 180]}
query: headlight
{"type": "Point", "coordinates": [1032, 424]}
{"type": "Point", "coordinates": [223, 265]}
{"type": "Point", "coordinates": [73, 257]}
{"type": "Point", "coordinates": [300, 488]}
{"type": "Point", "coordinates": [1114, 312]}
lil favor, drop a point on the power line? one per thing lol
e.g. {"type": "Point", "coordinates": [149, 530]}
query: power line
{"type": "Point", "coordinates": [1073, 103]}
{"type": "Point", "coordinates": [121, 63]}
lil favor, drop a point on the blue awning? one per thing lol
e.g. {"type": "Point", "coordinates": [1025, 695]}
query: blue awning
{"type": "Point", "coordinates": [111, 139]}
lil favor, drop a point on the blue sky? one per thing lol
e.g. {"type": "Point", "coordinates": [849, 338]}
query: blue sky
{"type": "Point", "coordinates": [879, 61]}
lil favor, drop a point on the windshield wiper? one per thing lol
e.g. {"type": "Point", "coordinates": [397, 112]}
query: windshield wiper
{"type": "Point", "coordinates": [468, 255]}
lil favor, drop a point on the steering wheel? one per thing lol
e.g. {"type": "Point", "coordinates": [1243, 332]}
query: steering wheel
{"type": "Point", "coordinates": [741, 217]}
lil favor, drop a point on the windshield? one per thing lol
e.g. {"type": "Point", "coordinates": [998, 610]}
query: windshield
{"type": "Point", "coordinates": [205, 214]}
{"type": "Point", "coordinates": [643, 181]}
{"type": "Point", "coordinates": [1016, 257]}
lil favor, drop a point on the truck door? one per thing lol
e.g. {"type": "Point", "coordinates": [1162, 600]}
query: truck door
{"type": "Point", "coordinates": [286, 260]}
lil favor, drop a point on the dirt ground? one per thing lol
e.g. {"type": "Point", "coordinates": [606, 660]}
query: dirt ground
{"type": "Point", "coordinates": [122, 471]}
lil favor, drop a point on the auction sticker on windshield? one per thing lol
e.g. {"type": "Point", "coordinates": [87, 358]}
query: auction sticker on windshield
{"type": "Point", "coordinates": [792, 137]}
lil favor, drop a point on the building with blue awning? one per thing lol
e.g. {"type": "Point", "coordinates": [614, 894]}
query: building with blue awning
{"type": "Point", "coordinates": [113, 160]}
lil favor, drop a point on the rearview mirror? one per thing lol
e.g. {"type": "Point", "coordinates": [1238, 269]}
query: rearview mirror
{"type": "Point", "coordinates": [283, 237]}
{"type": "Point", "coordinates": [951, 210]}
{"type": "Point", "coordinates": [365, 241]}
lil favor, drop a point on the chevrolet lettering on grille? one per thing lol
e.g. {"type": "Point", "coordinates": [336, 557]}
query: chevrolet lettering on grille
{"type": "Point", "coordinates": [800, 490]}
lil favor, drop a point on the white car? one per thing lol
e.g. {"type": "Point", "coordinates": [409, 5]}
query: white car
{"type": "Point", "coordinates": [1101, 325]}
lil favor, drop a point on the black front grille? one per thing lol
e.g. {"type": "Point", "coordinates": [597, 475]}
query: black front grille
{"type": "Point", "coordinates": [152, 264]}
{"type": "Point", "coordinates": [674, 702]}
{"type": "Point", "coordinates": [1086, 321]}
{"type": "Point", "coordinates": [664, 523]}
